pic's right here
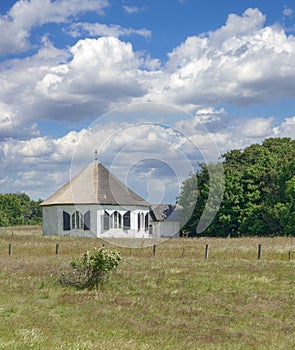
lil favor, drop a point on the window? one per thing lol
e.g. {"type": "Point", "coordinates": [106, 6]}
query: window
{"type": "Point", "coordinates": [66, 221]}
{"type": "Point", "coordinates": [126, 221]}
{"type": "Point", "coordinates": [138, 221]}
{"type": "Point", "coordinates": [77, 220]}
{"type": "Point", "coordinates": [116, 220]}
{"type": "Point", "coordinates": [106, 221]}
{"type": "Point", "coordinates": [87, 220]}
{"type": "Point", "coordinates": [146, 222]}
{"type": "Point", "coordinates": [142, 221]}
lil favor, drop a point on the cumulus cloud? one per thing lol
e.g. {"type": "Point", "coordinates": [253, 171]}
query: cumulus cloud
{"type": "Point", "coordinates": [258, 127]}
{"type": "Point", "coordinates": [21, 107]}
{"type": "Point", "coordinates": [26, 165]}
{"type": "Point", "coordinates": [101, 72]}
{"type": "Point", "coordinates": [16, 25]}
{"type": "Point", "coordinates": [286, 128]}
{"type": "Point", "coordinates": [232, 65]}
{"type": "Point", "coordinates": [125, 148]}
{"type": "Point", "coordinates": [138, 153]}
{"type": "Point", "coordinates": [242, 63]}
{"type": "Point", "coordinates": [11, 125]}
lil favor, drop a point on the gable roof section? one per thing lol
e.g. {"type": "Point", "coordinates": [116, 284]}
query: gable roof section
{"type": "Point", "coordinates": [95, 185]}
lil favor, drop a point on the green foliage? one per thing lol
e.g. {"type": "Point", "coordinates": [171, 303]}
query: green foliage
{"type": "Point", "coordinates": [259, 192]}
{"type": "Point", "coordinates": [91, 269]}
{"type": "Point", "coordinates": [19, 209]}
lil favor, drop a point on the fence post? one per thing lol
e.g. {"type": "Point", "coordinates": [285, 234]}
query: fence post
{"type": "Point", "coordinates": [10, 249]}
{"type": "Point", "coordinates": [207, 251]}
{"type": "Point", "coordinates": [259, 251]}
{"type": "Point", "coordinates": [56, 249]}
{"type": "Point", "coordinates": [154, 250]}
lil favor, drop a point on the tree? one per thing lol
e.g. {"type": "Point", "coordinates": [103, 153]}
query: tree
{"type": "Point", "coordinates": [258, 194]}
{"type": "Point", "coordinates": [19, 209]}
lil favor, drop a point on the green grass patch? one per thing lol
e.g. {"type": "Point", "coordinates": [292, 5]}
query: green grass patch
{"type": "Point", "coordinates": [176, 300]}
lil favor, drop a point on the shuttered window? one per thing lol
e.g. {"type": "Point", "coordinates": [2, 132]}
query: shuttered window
{"type": "Point", "coordinates": [87, 220]}
{"type": "Point", "coordinates": [138, 221]}
{"type": "Point", "coordinates": [106, 221]}
{"type": "Point", "coordinates": [146, 222]}
{"type": "Point", "coordinates": [126, 221]}
{"type": "Point", "coordinates": [66, 221]}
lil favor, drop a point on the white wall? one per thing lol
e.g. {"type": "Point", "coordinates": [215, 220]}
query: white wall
{"type": "Point", "coordinates": [133, 232]}
{"type": "Point", "coordinates": [50, 221]}
{"type": "Point", "coordinates": [53, 221]}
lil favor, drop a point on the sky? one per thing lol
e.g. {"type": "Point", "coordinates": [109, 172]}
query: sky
{"type": "Point", "coordinates": [156, 87]}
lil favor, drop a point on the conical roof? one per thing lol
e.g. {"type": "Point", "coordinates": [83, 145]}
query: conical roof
{"type": "Point", "coordinates": [95, 185]}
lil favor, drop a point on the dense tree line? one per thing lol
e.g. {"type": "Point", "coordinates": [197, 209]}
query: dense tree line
{"type": "Point", "coordinates": [19, 209]}
{"type": "Point", "coordinates": [259, 192]}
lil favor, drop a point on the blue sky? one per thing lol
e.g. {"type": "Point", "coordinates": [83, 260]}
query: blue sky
{"type": "Point", "coordinates": [155, 86]}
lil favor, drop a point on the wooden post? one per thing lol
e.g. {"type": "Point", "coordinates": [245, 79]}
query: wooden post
{"type": "Point", "coordinates": [154, 250]}
{"type": "Point", "coordinates": [10, 249]}
{"type": "Point", "coordinates": [289, 255]}
{"type": "Point", "coordinates": [259, 251]}
{"type": "Point", "coordinates": [56, 249]}
{"type": "Point", "coordinates": [207, 251]}
{"type": "Point", "coordinates": [182, 252]}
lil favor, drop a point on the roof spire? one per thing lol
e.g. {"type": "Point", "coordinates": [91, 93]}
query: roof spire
{"type": "Point", "coordinates": [96, 156]}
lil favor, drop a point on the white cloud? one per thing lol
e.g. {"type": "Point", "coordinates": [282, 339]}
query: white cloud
{"type": "Point", "coordinates": [235, 65]}
{"type": "Point", "coordinates": [251, 21]}
{"type": "Point", "coordinates": [132, 9]}
{"type": "Point", "coordinates": [288, 12]}
{"type": "Point", "coordinates": [12, 126]}
{"type": "Point", "coordinates": [242, 63]}
{"type": "Point", "coordinates": [98, 29]}
{"type": "Point", "coordinates": [121, 146]}
{"type": "Point", "coordinates": [138, 153]}
{"type": "Point", "coordinates": [16, 25]}
{"type": "Point", "coordinates": [20, 106]}
{"type": "Point", "coordinates": [101, 72]}
{"type": "Point", "coordinates": [286, 128]}
{"type": "Point", "coordinates": [258, 127]}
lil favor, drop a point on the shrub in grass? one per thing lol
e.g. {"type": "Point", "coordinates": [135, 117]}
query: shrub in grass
{"type": "Point", "coordinates": [91, 270]}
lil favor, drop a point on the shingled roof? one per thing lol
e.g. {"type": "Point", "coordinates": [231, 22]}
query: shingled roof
{"type": "Point", "coordinates": [167, 212]}
{"type": "Point", "coordinates": [95, 185]}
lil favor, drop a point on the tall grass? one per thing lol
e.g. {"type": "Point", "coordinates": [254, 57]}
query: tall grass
{"type": "Point", "coordinates": [175, 300]}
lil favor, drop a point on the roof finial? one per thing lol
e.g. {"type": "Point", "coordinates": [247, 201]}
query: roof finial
{"type": "Point", "coordinates": [96, 156]}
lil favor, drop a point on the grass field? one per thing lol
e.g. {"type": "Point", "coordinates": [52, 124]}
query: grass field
{"type": "Point", "coordinates": [175, 300]}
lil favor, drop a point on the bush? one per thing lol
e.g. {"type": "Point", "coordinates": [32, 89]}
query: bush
{"type": "Point", "coordinates": [91, 270]}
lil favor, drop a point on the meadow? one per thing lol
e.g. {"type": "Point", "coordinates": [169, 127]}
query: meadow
{"type": "Point", "coordinates": [176, 299]}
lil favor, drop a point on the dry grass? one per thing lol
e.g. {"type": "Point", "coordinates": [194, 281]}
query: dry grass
{"type": "Point", "coordinates": [177, 300]}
